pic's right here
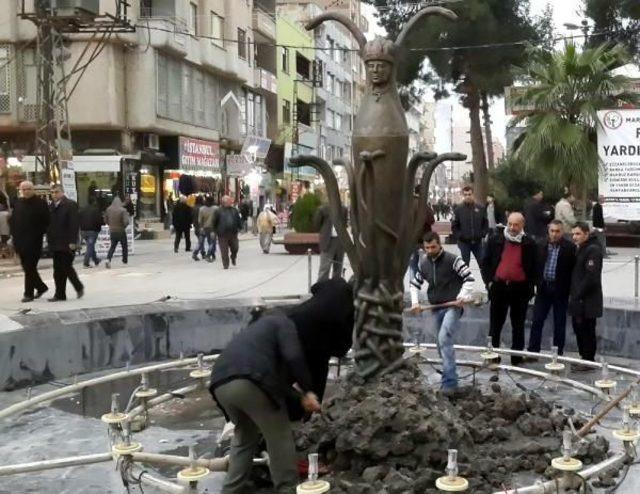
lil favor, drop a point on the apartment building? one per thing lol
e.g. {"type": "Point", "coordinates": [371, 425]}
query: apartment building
{"type": "Point", "coordinates": [190, 90]}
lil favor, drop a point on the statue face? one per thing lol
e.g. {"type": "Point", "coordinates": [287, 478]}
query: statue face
{"type": "Point", "coordinates": [379, 72]}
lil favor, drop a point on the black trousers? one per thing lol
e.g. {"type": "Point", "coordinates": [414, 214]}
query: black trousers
{"type": "Point", "coordinates": [122, 238]}
{"type": "Point", "coordinates": [187, 239]}
{"type": "Point", "coordinates": [32, 280]}
{"type": "Point", "coordinates": [63, 271]}
{"type": "Point", "coordinates": [585, 330]}
{"type": "Point", "coordinates": [511, 298]}
{"type": "Point", "coordinates": [228, 242]}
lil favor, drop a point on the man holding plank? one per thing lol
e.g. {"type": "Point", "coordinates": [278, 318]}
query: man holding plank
{"type": "Point", "coordinates": [450, 285]}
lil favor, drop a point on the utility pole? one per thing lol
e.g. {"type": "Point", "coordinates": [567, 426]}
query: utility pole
{"type": "Point", "coordinates": [54, 19]}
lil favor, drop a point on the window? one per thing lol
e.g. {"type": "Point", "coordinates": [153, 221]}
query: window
{"type": "Point", "coordinates": [193, 19]}
{"type": "Point", "coordinates": [285, 60]}
{"type": "Point", "coordinates": [332, 46]}
{"type": "Point", "coordinates": [331, 81]}
{"type": "Point", "coordinates": [243, 112]}
{"type": "Point", "coordinates": [338, 89]}
{"type": "Point", "coordinates": [338, 121]}
{"type": "Point", "coordinates": [163, 88]}
{"type": "Point", "coordinates": [336, 54]}
{"type": "Point", "coordinates": [217, 30]}
{"type": "Point", "coordinates": [304, 112]}
{"type": "Point", "coordinates": [187, 92]}
{"type": "Point", "coordinates": [286, 111]}
{"type": "Point", "coordinates": [251, 116]}
{"type": "Point", "coordinates": [260, 131]}
{"type": "Point", "coordinates": [330, 119]}
{"type": "Point", "coordinates": [249, 52]}
{"type": "Point", "coordinates": [5, 78]}
{"type": "Point", "coordinates": [198, 90]}
{"type": "Point", "coordinates": [303, 66]}
{"type": "Point", "coordinates": [242, 44]}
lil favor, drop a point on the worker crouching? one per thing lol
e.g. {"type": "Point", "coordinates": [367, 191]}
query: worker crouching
{"type": "Point", "coordinates": [275, 371]}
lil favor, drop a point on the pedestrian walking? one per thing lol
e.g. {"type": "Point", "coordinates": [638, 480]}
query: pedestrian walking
{"type": "Point", "coordinates": [331, 249]}
{"type": "Point", "coordinates": [267, 222]}
{"type": "Point", "coordinates": [227, 223]}
{"type": "Point", "coordinates": [585, 298]}
{"type": "Point", "coordinates": [90, 225]}
{"type": "Point", "coordinates": [195, 211]}
{"type": "Point", "coordinates": [597, 219]}
{"type": "Point", "coordinates": [469, 226]}
{"type": "Point", "coordinates": [117, 219]}
{"type": "Point", "coordinates": [205, 220]}
{"type": "Point", "coordinates": [537, 216]}
{"type": "Point", "coordinates": [564, 213]}
{"type": "Point", "coordinates": [556, 259]}
{"type": "Point", "coordinates": [253, 380]}
{"type": "Point", "coordinates": [62, 239]}
{"type": "Point", "coordinates": [449, 281]}
{"type": "Point", "coordinates": [182, 218]}
{"type": "Point", "coordinates": [28, 223]}
{"type": "Point", "coordinates": [495, 214]}
{"type": "Point", "coordinates": [508, 271]}
{"type": "Point", "coordinates": [5, 229]}
{"type": "Point", "coordinates": [246, 207]}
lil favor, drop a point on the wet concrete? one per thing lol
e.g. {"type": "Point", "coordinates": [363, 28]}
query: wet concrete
{"type": "Point", "coordinates": [71, 427]}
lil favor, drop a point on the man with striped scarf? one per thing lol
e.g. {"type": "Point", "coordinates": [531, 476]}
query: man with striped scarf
{"type": "Point", "coordinates": [450, 285]}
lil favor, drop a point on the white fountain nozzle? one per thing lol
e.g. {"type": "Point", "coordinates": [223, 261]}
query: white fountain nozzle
{"type": "Point", "coordinates": [114, 403]}
{"type": "Point", "coordinates": [567, 444]}
{"type": "Point", "coordinates": [605, 369]}
{"type": "Point", "coordinates": [554, 354]}
{"type": "Point", "coordinates": [313, 467]}
{"type": "Point", "coordinates": [192, 457]}
{"type": "Point", "coordinates": [200, 358]}
{"type": "Point", "coordinates": [626, 420]}
{"type": "Point", "coordinates": [452, 463]}
{"type": "Point", "coordinates": [126, 433]}
{"type": "Point", "coordinates": [144, 381]}
{"type": "Point", "coordinates": [489, 344]}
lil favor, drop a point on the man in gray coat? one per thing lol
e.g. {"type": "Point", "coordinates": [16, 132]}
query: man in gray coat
{"type": "Point", "coordinates": [117, 219]}
{"type": "Point", "coordinates": [331, 250]}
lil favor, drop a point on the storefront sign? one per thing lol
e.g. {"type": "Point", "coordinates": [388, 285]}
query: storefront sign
{"type": "Point", "coordinates": [103, 242]}
{"type": "Point", "coordinates": [619, 153]}
{"type": "Point", "coordinates": [199, 155]}
{"type": "Point", "coordinates": [131, 184]}
{"type": "Point", "coordinates": [238, 165]}
{"type": "Point", "coordinates": [256, 147]}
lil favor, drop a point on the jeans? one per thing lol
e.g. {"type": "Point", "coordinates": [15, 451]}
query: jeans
{"type": "Point", "coordinates": [546, 298]}
{"type": "Point", "coordinates": [466, 248]}
{"type": "Point", "coordinates": [208, 237]}
{"type": "Point", "coordinates": [447, 323]}
{"type": "Point", "coordinates": [512, 298]}
{"type": "Point", "coordinates": [63, 271]}
{"type": "Point", "coordinates": [122, 238]}
{"type": "Point", "coordinates": [90, 238]}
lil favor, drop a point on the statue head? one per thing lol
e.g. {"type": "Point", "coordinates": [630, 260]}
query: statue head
{"type": "Point", "coordinates": [379, 60]}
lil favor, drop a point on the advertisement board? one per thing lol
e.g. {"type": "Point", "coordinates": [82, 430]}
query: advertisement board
{"type": "Point", "coordinates": [103, 242]}
{"type": "Point", "coordinates": [199, 155]}
{"type": "Point", "coordinates": [619, 170]}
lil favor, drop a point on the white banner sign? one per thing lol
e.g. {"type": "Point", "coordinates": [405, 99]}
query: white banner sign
{"type": "Point", "coordinates": [619, 152]}
{"type": "Point", "coordinates": [69, 184]}
{"type": "Point", "coordinates": [103, 242]}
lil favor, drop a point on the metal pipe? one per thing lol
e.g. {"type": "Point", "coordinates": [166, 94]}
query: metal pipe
{"type": "Point", "coordinates": [309, 269]}
{"type": "Point", "coordinates": [568, 481]}
{"type": "Point", "coordinates": [214, 464]}
{"type": "Point", "coordinates": [162, 398]}
{"type": "Point", "coordinates": [635, 278]}
{"type": "Point", "coordinates": [159, 483]}
{"type": "Point", "coordinates": [73, 388]}
{"type": "Point", "coordinates": [37, 466]}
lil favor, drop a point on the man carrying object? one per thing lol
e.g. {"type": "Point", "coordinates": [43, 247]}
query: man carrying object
{"type": "Point", "coordinates": [449, 281]}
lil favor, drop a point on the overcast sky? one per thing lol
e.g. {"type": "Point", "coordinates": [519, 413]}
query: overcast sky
{"type": "Point", "coordinates": [564, 11]}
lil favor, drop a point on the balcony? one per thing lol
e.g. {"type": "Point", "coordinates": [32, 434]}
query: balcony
{"type": "Point", "coordinates": [265, 80]}
{"type": "Point", "coordinates": [212, 55]}
{"type": "Point", "coordinates": [168, 36]}
{"type": "Point", "coordinates": [264, 24]}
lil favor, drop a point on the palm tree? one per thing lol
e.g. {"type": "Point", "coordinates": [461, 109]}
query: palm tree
{"type": "Point", "coordinates": [564, 91]}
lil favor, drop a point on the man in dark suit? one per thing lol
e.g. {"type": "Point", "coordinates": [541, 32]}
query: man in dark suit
{"type": "Point", "coordinates": [508, 271]}
{"type": "Point", "coordinates": [598, 224]}
{"type": "Point", "coordinates": [553, 281]}
{"type": "Point", "coordinates": [537, 215]}
{"type": "Point", "coordinates": [331, 250]}
{"type": "Point", "coordinates": [62, 238]}
{"type": "Point", "coordinates": [585, 298]}
{"type": "Point", "coordinates": [29, 223]}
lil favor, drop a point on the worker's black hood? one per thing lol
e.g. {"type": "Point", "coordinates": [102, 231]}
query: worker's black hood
{"type": "Point", "coordinates": [325, 321]}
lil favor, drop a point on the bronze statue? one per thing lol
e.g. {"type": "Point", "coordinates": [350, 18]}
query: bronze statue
{"type": "Point", "coordinates": [384, 220]}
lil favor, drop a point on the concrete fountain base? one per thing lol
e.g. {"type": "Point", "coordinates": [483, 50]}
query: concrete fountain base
{"type": "Point", "coordinates": [392, 436]}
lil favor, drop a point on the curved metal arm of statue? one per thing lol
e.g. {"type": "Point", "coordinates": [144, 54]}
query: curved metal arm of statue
{"type": "Point", "coordinates": [351, 178]}
{"type": "Point", "coordinates": [342, 19]}
{"type": "Point", "coordinates": [419, 16]}
{"type": "Point", "coordinates": [335, 204]}
{"type": "Point", "coordinates": [421, 214]}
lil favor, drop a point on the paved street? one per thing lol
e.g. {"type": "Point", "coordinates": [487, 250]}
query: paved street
{"type": "Point", "coordinates": [155, 272]}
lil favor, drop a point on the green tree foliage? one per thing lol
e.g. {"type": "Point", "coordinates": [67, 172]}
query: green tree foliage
{"type": "Point", "coordinates": [618, 20]}
{"type": "Point", "coordinates": [565, 90]}
{"type": "Point", "coordinates": [471, 71]}
{"type": "Point", "coordinates": [303, 212]}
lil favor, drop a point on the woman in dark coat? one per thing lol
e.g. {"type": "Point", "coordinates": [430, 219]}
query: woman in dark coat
{"type": "Point", "coordinates": [274, 371]}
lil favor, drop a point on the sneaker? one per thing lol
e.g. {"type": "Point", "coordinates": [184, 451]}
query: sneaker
{"type": "Point", "coordinates": [107, 264]}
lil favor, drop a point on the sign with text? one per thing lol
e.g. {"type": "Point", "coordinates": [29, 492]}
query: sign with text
{"type": "Point", "coordinates": [103, 242]}
{"type": "Point", "coordinates": [619, 153]}
{"type": "Point", "coordinates": [68, 179]}
{"type": "Point", "coordinates": [199, 155]}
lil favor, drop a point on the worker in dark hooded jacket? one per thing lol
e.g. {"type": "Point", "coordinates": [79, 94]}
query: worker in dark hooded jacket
{"type": "Point", "coordinates": [274, 371]}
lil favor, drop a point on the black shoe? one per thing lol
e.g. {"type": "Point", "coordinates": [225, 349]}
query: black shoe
{"type": "Point", "coordinates": [81, 293]}
{"type": "Point", "coordinates": [175, 250]}
{"type": "Point", "coordinates": [87, 265]}
{"type": "Point", "coordinates": [187, 250]}
{"type": "Point", "coordinates": [517, 360]}
{"type": "Point", "coordinates": [233, 261]}
{"type": "Point", "coordinates": [26, 300]}
{"type": "Point", "coordinates": [98, 262]}
{"type": "Point", "coordinates": [581, 368]}
{"type": "Point", "coordinates": [56, 299]}
{"type": "Point", "coordinates": [40, 293]}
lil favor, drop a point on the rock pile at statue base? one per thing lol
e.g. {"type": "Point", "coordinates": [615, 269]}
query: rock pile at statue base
{"type": "Point", "coordinates": [391, 435]}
